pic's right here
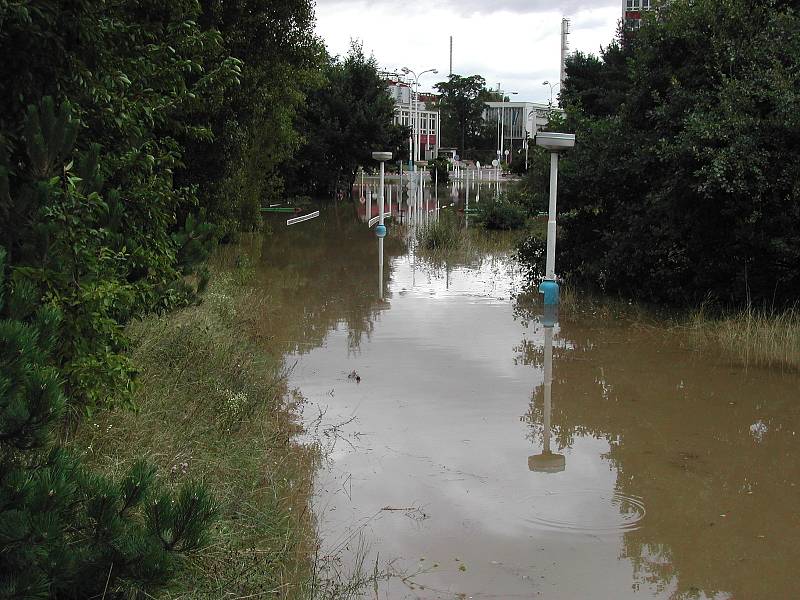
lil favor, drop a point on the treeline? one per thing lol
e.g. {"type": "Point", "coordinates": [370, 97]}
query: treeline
{"type": "Point", "coordinates": [134, 135]}
{"type": "Point", "coordinates": [684, 184]}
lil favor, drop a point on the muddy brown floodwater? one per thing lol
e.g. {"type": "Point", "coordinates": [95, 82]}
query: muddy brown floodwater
{"type": "Point", "coordinates": [680, 476]}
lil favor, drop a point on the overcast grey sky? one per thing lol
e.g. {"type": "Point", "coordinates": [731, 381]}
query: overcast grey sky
{"type": "Point", "coordinates": [513, 42]}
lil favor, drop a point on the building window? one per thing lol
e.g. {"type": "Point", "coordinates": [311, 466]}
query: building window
{"type": "Point", "coordinates": [645, 4]}
{"type": "Point", "coordinates": [632, 24]}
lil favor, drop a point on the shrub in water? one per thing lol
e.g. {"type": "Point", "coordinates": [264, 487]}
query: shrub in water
{"type": "Point", "coordinates": [442, 234]}
{"type": "Point", "coordinates": [501, 213]}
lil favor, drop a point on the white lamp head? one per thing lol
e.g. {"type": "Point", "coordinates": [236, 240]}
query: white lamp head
{"type": "Point", "coordinates": [555, 142]}
{"type": "Point", "coordinates": [382, 156]}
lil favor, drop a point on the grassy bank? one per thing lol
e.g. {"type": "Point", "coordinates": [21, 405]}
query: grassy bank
{"type": "Point", "coordinates": [213, 405]}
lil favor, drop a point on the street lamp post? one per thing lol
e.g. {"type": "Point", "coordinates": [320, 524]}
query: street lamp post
{"type": "Point", "coordinates": [502, 119]}
{"type": "Point", "coordinates": [381, 157]}
{"type": "Point", "coordinates": [416, 130]}
{"type": "Point", "coordinates": [548, 461]}
{"type": "Point", "coordinates": [380, 230]}
{"type": "Point", "coordinates": [532, 112]}
{"type": "Point", "coordinates": [552, 87]}
{"type": "Point", "coordinates": [555, 142]}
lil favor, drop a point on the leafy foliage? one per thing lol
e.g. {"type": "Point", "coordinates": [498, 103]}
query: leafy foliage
{"type": "Point", "coordinates": [439, 170]}
{"type": "Point", "coordinates": [241, 166]}
{"type": "Point", "coordinates": [501, 213]}
{"type": "Point", "coordinates": [66, 532]}
{"type": "Point", "coordinates": [461, 104]}
{"type": "Point", "coordinates": [348, 118]}
{"type": "Point", "coordinates": [683, 182]}
{"type": "Point", "coordinates": [132, 134]}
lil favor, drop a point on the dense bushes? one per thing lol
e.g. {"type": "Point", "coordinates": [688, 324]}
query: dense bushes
{"type": "Point", "coordinates": [683, 183]}
{"type": "Point", "coordinates": [132, 134]}
{"type": "Point", "coordinates": [501, 212]}
{"type": "Point", "coordinates": [65, 531]}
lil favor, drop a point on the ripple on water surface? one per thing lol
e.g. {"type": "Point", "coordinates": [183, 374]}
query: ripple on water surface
{"type": "Point", "coordinates": [610, 512]}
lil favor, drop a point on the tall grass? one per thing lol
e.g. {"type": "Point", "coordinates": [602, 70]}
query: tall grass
{"type": "Point", "coordinates": [447, 242]}
{"type": "Point", "coordinates": [213, 404]}
{"type": "Point", "coordinates": [752, 337]}
{"type": "Point", "coordinates": [443, 234]}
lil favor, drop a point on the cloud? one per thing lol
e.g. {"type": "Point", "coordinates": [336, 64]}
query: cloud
{"type": "Point", "coordinates": [516, 49]}
{"type": "Point", "coordinates": [470, 7]}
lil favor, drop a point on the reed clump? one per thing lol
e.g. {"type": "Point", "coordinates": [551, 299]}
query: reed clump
{"type": "Point", "coordinates": [442, 234]}
{"type": "Point", "coordinates": [752, 337]}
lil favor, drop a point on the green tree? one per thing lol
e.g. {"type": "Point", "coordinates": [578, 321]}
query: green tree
{"type": "Point", "coordinates": [346, 120]}
{"type": "Point", "coordinates": [688, 189]}
{"type": "Point", "coordinates": [92, 213]}
{"type": "Point", "coordinates": [461, 103]}
{"type": "Point", "coordinates": [596, 85]}
{"type": "Point", "coordinates": [254, 135]}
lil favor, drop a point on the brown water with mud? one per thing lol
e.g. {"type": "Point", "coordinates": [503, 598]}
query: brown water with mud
{"type": "Point", "coordinates": [680, 479]}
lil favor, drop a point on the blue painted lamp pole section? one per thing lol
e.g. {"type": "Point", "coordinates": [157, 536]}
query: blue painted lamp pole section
{"type": "Point", "coordinates": [380, 229]}
{"type": "Point", "coordinates": [381, 157]}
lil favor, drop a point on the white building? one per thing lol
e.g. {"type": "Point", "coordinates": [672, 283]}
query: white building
{"type": "Point", "coordinates": [407, 108]}
{"type": "Point", "coordinates": [632, 12]}
{"type": "Point", "coordinates": [516, 122]}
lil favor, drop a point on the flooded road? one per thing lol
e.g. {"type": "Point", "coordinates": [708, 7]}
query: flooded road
{"type": "Point", "coordinates": [680, 475]}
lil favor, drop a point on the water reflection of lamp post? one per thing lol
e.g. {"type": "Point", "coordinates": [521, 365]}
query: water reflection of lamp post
{"type": "Point", "coordinates": [547, 461]}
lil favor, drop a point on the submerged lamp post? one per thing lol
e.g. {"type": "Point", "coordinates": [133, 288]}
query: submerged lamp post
{"type": "Point", "coordinates": [380, 229]}
{"type": "Point", "coordinates": [547, 461]}
{"type": "Point", "coordinates": [555, 142]}
{"type": "Point", "coordinates": [381, 157]}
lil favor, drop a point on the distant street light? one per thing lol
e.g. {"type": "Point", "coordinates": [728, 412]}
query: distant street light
{"type": "Point", "coordinates": [552, 86]}
{"type": "Point", "coordinates": [501, 134]}
{"type": "Point", "coordinates": [527, 138]}
{"type": "Point", "coordinates": [381, 157]}
{"type": "Point", "coordinates": [415, 128]}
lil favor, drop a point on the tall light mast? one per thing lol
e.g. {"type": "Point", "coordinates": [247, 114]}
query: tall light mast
{"type": "Point", "coordinates": [564, 48]}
